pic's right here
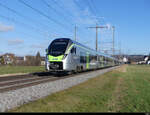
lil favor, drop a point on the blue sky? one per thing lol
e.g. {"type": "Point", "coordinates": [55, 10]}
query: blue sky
{"type": "Point", "coordinates": [24, 31]}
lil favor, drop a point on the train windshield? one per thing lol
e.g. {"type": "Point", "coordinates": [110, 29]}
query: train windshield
{"type": "Point", "coordinates": [58, 48]}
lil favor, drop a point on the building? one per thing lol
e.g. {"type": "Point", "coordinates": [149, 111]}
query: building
{"type": "Point", "coordinates": [125, 60]}
{"type": "Point", "coordinates": [19, 60]}
{"type": "Point", "coordinates": [8, 58]}
{"type": "Point", "coordinates": [42, 61]}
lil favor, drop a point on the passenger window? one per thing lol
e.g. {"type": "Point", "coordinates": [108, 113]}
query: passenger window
{"type": "Point", "coordinates": [72, 50]}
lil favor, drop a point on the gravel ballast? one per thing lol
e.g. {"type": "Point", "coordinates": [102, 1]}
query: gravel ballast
{"type": "Point", "coordinates": [12, 99]}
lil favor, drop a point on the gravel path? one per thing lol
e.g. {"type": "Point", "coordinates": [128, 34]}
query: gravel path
{"type": "Point", "coordinates": [11, 99]}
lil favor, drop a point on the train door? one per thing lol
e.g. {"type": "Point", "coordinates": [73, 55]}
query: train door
{"type": "Point", "coordinates": [73, 59]}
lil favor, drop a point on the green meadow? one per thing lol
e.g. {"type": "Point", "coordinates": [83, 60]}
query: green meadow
{"type": "Point", "coordinates": [20, 69]}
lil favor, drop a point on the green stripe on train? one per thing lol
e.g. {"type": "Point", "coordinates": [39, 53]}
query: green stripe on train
{"type": "Point", "coordinates": [87, 60]}
{"type": "Point", "coordinates": [55, 59]}
{"type": "Point", "coordinates": [68, 50]}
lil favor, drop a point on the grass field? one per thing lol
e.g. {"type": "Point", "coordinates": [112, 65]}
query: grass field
{"type": "Point", "coordinates": [20, 69]}
{"type": "Point", "coordinates": [126, 89]}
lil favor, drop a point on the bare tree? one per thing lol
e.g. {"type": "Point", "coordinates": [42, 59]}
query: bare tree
{"type": "Point", "coordinates": [38, 59]}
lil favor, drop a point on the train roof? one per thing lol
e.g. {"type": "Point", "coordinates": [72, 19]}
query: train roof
{"type": "Point", "coordinates": [85, 47]}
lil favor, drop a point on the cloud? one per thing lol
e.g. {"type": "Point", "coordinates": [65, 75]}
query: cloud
{"type": "Point", "coordinates": [38, 46]}
{"type": "Point", "coordinates": [15, 42]}
{"type": "Point", "coordinates": [80, 16]}
{"type": "Point", "coordinates": [5, 28]}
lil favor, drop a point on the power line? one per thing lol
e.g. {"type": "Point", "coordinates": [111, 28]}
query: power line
{"type": "Point", "coordinates": [43, 14]}
{"type": "Point", "coordinates": [38, 11]}
{"type": "Point", "coordinates": [57, 12]}
{"type": "Point", "coordinates": [97, 27]}
{"type": "Point", "coordinates": [78, 4]}
{"type": "Point", "coordinates": [113, 38]}
{"type": "Point", "coordinates": [19, 14]}
{"type": "Point", "coordinates": [25, 17]}
{"type": "Point", "coordinates": [21, 23]}
{"type": "Point", "coordinates": [69, 14]}
{"type": "Point", "coordinates": [62, 8]}
{"type": "Point", "coordinates": [92, 3]}
{"type": "Point", "coordinates": [12, 20]}
{"type": "Point", "coordinates": [110, 44]}
{"type": "Point", "coordinates": [91, 7]}
{"type": "Point", "coordinates": [94, 9]}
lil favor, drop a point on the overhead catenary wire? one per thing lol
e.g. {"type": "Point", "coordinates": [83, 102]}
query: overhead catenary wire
{"type": "Point", "coordinates": [93, 6]}
{"type": "Point", "coordinates": [43, 14]}
{"type": "Point", "coordinates": [29, 19]}
{"type": "Point", "coordinates": [69, 14]}
{"type": "Point", "coordinates": [21, 15]}
{"type": "Point", "coordinates": [92, 10]}
{"type": "Point", "coordinates": [22, 24]}
{"type": "Point", "coordinates": [56, 12]}
{"type": "Point", "coordinates": [62, 8]}
{"type": "Point", "coordinates": [78, 4]}
{"type": "Point", "coordinates": [14, 21]}
{"type": "Point", "coordinates": [96, 10]}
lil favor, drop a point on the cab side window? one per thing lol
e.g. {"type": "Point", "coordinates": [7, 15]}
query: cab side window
{"type": "Point", "coordinates": [73, 50]}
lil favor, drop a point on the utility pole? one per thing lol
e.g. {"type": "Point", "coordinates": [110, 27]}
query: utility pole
{"type": "Point", "coordinates": [75, 33]}
{"type": "Point", "coordinates": [120, 50]}
{"type": "Point", "coordinates": [96, 37]}
{"type": "Point", "coordinates": [113, 40]}
{"type": "Point", "coordinates": [97, 27]}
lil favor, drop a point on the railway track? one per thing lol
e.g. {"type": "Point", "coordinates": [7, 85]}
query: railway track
{"type": "Point", "coordinates": [21, 81]}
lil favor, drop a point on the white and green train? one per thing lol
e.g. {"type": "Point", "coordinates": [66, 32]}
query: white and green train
{"type": "Point", "coordinates": [64, 54]}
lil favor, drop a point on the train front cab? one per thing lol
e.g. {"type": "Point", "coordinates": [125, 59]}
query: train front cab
{"type": "Point", "coordinates": [56, 56]}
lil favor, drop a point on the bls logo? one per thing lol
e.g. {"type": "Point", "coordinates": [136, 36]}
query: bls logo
{"type": "Point", "coordinates": [55, 58]}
